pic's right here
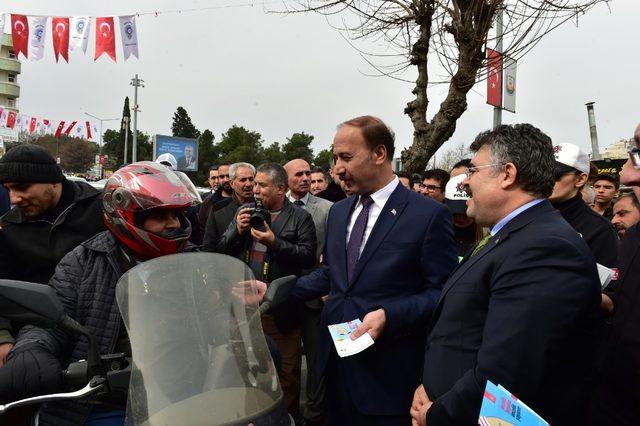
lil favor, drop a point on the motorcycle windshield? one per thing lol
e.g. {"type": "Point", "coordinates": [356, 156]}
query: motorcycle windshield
{"type": "Point", "coordinates": [199, 353]}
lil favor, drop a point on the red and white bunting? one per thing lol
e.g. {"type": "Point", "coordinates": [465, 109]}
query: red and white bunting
{"type": "Point", "coordinates": [105, 38]}
{"type": "Point", "coordinates": [20, 34]}
{"type": "Point", "coordinates": [69, 34]}
{"type": "Point", "coordinates": [60, 34]}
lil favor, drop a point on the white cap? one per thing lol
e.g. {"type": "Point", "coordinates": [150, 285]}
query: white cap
{"type": "Point", "coordinates": [169, 158]}
{"type": "Point", "coordinates": [571, 155]}
{"type": "Point", "coordinates": [455, 195]}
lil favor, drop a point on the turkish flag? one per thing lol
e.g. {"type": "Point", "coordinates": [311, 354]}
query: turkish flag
{"type": "Point", "coordinates": [105, 38]}
{"type": "Point", "coordinates": [11, 119]}
{"type": "Point", "coordinates": [73, 123]}
{"type": "Point", "coordinates": [494, 78]}
{"type": "Point", "coordinates": [33, 124]}
{"type": "Point", "coordinates": [88, 126]}
{"type": "Point", "coordinates": [20, 34]}
{"type": "Point", "coordinates": [58, 132]}
{"type": "Point", "coordinates": [60, 30]}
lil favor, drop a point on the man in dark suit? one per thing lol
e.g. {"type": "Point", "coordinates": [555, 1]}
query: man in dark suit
{"type": "Point", "coordinates": [521, 310]}
{"type": "Point", "coordinates": [388, 252]}
{"type": "Point", "coordinates": [299, 173]}
{"type": "Point", "coordinates": [617, 397]}
{"type": "Point", "coordinates": [187, 161]}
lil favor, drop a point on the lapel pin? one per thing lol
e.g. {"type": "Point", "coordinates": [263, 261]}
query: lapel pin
{"type": "Point", "coordinates": [393, 212]}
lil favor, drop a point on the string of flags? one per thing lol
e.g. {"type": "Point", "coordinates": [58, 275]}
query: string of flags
{"type": "Point", "coordinates": [71, 33]}
{"type": "Point", "coordinates": [41, 126]}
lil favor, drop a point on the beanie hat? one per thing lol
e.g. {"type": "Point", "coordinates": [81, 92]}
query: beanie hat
{"type": "Point", "coordinates": [29, 164]}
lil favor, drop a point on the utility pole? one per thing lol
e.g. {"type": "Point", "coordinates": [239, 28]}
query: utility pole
{"type": "Point", "coordinates": [126, 138]}
{"type": "Point", "coordinates": [497, 111]}
{"type": "Point", "coordinates": [100, 143]}
{"type": "Point", "coordinates": [135, 82]}
{"type": "Point", "coordinates": [595, 149]}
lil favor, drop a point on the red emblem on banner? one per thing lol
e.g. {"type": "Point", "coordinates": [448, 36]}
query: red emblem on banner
{"type": "Point", "coordinates": [60, 29]}
{"type": "Point", "coordinates": [105, 38]}
{"type": "Point", "coordinates": [494, 78]}
{"type": "Point", "coordinates": [20, 34]}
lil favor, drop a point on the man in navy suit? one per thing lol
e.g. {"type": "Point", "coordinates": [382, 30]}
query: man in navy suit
{"type": "Point", "coordinates": [521, 310]}
{"type": "Point", "coordinates": [388, 252]}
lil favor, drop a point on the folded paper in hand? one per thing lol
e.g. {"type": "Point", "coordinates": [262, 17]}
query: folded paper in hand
{"type": "Point", "coordinates": [341, 335]}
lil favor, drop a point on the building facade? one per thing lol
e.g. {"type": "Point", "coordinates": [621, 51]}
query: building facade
{"type": "Point", "coordinates": [10, 69]}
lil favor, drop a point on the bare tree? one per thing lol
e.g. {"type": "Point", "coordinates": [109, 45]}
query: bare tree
{"type": "Point", "coordinates": [450, 157]}
{"type": "Point", "coordinates": [455, 33]}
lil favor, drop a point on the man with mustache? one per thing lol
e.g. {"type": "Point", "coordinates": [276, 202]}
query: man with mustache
{"type": "Point", "coordinates": [626, 213]}
{"type": "Point", "coordinates": [241, 183]}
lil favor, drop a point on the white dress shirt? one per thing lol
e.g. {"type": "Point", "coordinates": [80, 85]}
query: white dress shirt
{"type": "Point", "coordinates": [380, 198]}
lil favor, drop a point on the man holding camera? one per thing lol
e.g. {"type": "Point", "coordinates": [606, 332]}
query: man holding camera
{"type": "Point", "coordinates": [275, 239]}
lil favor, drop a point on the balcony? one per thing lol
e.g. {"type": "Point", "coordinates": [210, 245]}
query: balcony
{"type": "Point", "coordinates": [10, 89]}
{"type": "Point", "coordinates": [11, 65]}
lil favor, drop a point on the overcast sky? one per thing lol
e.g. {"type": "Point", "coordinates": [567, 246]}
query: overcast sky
{"type": "Point", "coordinates": [279, 74]}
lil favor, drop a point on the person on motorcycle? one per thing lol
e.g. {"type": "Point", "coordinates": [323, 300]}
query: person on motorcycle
{"type": "Point", "coordinates": [144, 205]}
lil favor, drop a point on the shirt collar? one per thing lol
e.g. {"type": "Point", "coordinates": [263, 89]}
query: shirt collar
{"type": "Point", "coordinates": [305, 199]}
{"type": "Point", "coordinates": [381, 196]}
{"type": "Point", "coordinates": [498, 226]}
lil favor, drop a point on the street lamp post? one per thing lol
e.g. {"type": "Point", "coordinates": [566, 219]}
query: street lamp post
{"type": "Point", "coordinates": [100, 143]}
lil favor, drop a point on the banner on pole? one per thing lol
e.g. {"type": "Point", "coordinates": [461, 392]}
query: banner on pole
{"type": "Point", "coordinates": [494, 78]}
{"type": "Point", "coordinates": [509, 84]}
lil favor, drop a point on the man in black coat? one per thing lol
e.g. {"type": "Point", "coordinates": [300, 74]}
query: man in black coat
{"type": "Point", "coordinates": [5, 204]}
{"type": "Point", "coordinates": [571, 174]}
{"type": "Point", "coordinates": [52, 216]}
{"type": "Point", "coordinates": [617, 397]}
{"type": "Point", "coordinates": [241, 182]}
{"type": "Point", "coordinates": [286, 246]}
{"type": "Point", "coordinates": [521, 309]}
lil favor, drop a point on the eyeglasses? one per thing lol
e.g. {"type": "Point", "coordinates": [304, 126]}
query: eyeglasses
{"type": "Point", "coordinates": [430, 188]}
{"type": "Point", "coordinates": [472, 169]}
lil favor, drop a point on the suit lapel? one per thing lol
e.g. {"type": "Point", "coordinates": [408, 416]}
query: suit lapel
{"type": "Point", "coordinates": [311, 206]}
{"type": "Point", "coordinates": [515, 224]}
{"type": "Point", "coordinates": [390, 213]}
{"type": "Point", "coordinates": [468, 262]}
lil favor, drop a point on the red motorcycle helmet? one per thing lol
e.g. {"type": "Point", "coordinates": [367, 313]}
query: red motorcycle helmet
{"type": "Point", "coordinates": [133, 191]}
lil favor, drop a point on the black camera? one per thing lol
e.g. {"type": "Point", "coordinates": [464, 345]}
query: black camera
{"type": "Point", "coordinates": [259, 216]}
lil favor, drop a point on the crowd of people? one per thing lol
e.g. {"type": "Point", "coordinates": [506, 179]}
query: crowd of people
{"type": "Point", "coordinates": [487, 271]}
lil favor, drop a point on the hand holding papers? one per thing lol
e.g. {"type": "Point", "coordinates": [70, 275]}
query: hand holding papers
{"type": "Point", "coordinates": [340, 333]}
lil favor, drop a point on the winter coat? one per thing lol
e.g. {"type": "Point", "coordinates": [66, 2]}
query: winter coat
{"type": "Point", "coordinates": [30, 249]}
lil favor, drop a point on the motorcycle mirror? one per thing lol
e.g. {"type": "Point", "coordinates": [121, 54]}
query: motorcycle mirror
{"type": "Point", "coordinates": [30, 303]}
{"type": "Point", "coordinates": [278, 292]}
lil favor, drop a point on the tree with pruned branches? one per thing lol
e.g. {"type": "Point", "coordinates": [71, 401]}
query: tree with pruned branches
{"type": "Point", "coordinates": [455, 33]}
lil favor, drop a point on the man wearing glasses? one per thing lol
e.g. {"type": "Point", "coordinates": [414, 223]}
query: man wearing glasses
{"type": "Point", "coordinates": [571, 174]}
{"type": "Point", "coordinates": [521, 310]}
{"type": "Point", "coordinates": [433, 183]}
